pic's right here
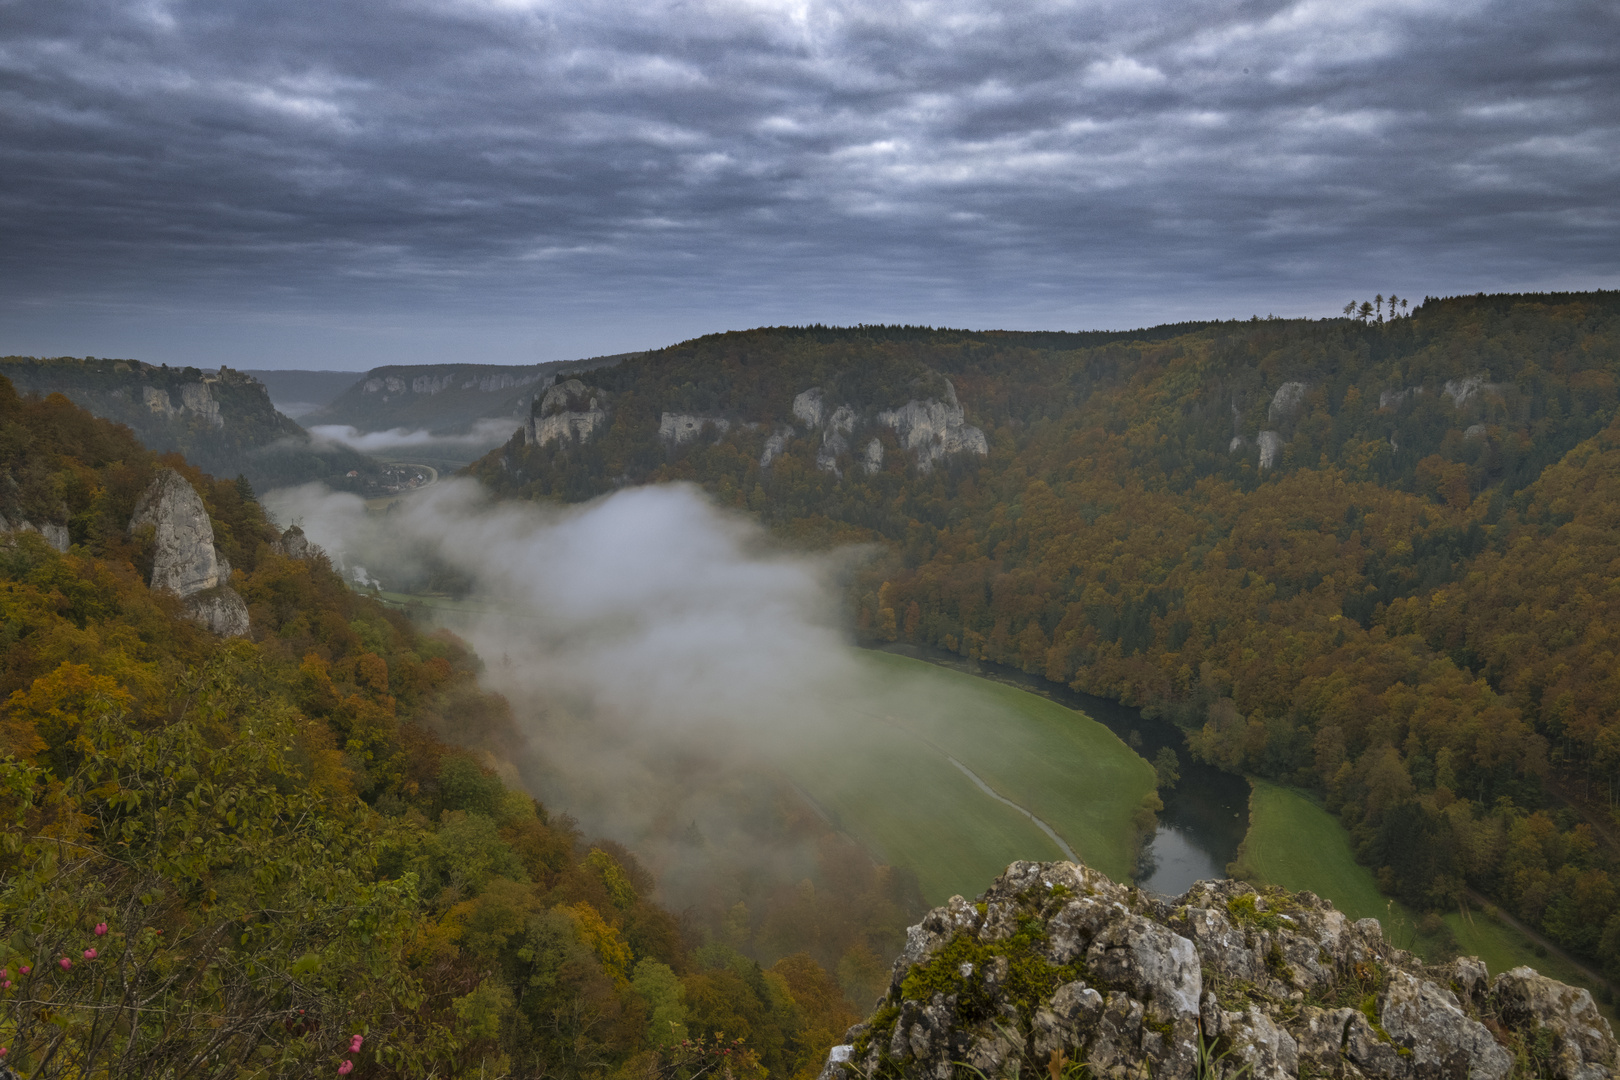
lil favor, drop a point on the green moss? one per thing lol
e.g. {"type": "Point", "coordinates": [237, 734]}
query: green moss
{"type": "Point", "coordinates": [1245, 910]}
{"type": "Point", "coordinates": [881, 1026]}
{"type": "Point", "coordinates": [1369, 1008]}
{"type": "Point", "coordinates": [1030, 980]}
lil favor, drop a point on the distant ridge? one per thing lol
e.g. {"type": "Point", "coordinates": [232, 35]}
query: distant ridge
{"type": "Point", "coordinates": [220, 420]}
{"type": "Point", "coordinates": [446, 399]}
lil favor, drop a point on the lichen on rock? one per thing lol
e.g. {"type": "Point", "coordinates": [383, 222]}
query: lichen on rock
{"type": "Point", "coordinates": [1055, 963]}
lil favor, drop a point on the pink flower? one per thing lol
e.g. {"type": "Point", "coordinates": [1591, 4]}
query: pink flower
{"type": "Point", "coordinates": [2, 1051]}
{"type": "Point", "coordinates": [346, 1068]}
{"type": "Point", "coordinates": [5, 985]}
{"type": "Point", "coordinates": [65, 962]}
{"type": "Point", "coordinates": [25, 969]}
{"type": "Point", "coordinates": [354, 1044]}
{"type": "Point", "coordinates": [101, 929]}
{"type": "Point", "coordinates": [89, 954]}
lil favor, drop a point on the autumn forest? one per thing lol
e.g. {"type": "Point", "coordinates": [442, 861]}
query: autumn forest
{"type": "Point", "coordinates": [1373, 558]}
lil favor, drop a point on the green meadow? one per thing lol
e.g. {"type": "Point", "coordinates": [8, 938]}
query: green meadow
{"type": "Point", "coordinates": [893, 787]}
{"type": "Point", "coordinates": [1294, 842]}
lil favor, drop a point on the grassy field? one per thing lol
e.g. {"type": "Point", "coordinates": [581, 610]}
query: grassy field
{"type": "Point", "coordinates": [1502, 948]}
{"type": "Point", "coordinates": [1294, 842]}
{"type": "Point", "coordinates": [894, 788]}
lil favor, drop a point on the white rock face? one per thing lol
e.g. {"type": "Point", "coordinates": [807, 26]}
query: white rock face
{"type": "Point", "coordinates": [930, 429]}
{"type": "Point", "coordinates": [1427, 1017]}
{"type": "Point", "coordinates": [1286, 401]}
{"type": "Point", "coordinates": [1394, 399]}
{"type": "Point", "coordinates": [1271, 448]}
{"type": "Point", "coordinates": [1238, 442]}
{"type": "Point", "coordinates": [184, 560]}
{"type": "Point", "coordinates": [158, 401]}
{"type": "Point", "coordinates": [222, 610]}
{"type": "Point", "coordinates": [1474, 431]}
{"type": "Point", "coordinates": [55, 535]}
{"type": "Point", "coordinates": [197, 398]}
{"type": "Point", "coordinates": [833, 444]}
{"type": "Point", "coordinates": [569, 411]}
{"type": "Point", "coordinates": [678, 429]}
{"type": "Point", "coordinates": [809, 406]}
{"type": "Point", "coordinates": [503, 382]}
{"type": "Point", "coordinates": [1461, 390]}
{"type": "Point", "coordinates": [934, 429]}
{"type": "Point", "coordinates": [774, 445]}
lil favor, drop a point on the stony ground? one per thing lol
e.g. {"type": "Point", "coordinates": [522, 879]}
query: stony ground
{"type": "Point", "coordinates": [1058, 970]}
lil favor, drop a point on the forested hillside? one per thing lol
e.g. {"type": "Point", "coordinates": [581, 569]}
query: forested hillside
{"type": "Point", "coordinates": [221, 421]}
{"type": "Point", "coordinates": [258, 856]}
{"type": "Point", "coordinates": [1372, 558]}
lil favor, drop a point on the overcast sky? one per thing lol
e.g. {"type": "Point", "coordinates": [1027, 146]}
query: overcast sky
{"type": "Point", "coordinates": [336, 183]}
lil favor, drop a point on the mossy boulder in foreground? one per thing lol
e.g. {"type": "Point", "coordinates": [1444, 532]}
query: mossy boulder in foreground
{"type": "Point", "coordinates": [1057, 967]}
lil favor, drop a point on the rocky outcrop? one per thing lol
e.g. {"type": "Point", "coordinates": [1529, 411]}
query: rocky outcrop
{"type": "Point", "coordinates": [195, 399]}
{"type": "Point", "coordinates": [295, 545]}
{"type": "Point", "coordinates": [198, 400]}
{"type": "Point", "coordinates": [568, 412]}
{"type": "Point", "coordinates": [184, 559]}
{"type": "Point", "coordinates": [775, 443]}
{"type": "Point", "coordinates": [809, 406]}
{"type": "Point", "coordinates": [222, 610]}
{"type": "Point", "coordinates": [930, 429]}
{"type": "Point", "coordinates": [872, 456]}
{"type": "Point", "coordinates": [838, 427]}
{"type": "Point", "coordinates": [1271, 448]}
{"type": "Point", "coordinates": [678, 429]}
{"type": "Point", "coordinates": [158, 401]}
{"type": "Point", "coordinates": [934, 430]}
{"type": "Point", "coordinates": [1286, 402]}
{"type": "Point", "coordinates": [55, 535]}
{"type": "Point", "coordinates": [1056, 967]}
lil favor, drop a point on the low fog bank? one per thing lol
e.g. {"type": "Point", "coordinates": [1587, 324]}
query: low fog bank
{"type": "Point", "coordinates": [662, 658]}
{"type": "Point", "coordinates": [660, 614]}
{"type": "Point", "coordinates": [485, 435]}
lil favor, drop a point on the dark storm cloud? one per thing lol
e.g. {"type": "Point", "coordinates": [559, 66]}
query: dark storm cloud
{"type": "Point", "coordinates": [691, 166]}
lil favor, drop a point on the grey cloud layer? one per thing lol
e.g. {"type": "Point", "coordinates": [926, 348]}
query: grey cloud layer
{"type": "Point", "coordinates": [481, 156]}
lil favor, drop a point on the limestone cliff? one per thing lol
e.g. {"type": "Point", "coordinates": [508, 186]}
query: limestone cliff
{"type": "Point", "coordinates": [929, 429]}
{"type": "Point", "coordinates": [1057, 967]}
{"type": "Point", "coordinates": [184, 559]}
{"type": "Point", "coordinates": [933, 430]}
{"type": "Point", "coordinates": [55, 535]}
{"type": "Point", "coordinates": [568, 412]}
